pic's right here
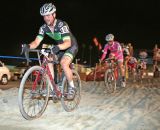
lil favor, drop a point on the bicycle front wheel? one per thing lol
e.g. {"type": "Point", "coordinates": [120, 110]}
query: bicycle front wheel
{"type": "Point", "coordinates": [70, 105]}
{"type": "Point", "coordinates": [110, 81]}
{"type": "Point", "coordinates": [33, 93]}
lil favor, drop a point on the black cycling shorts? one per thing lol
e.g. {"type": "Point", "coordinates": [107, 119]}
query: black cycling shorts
{"type": "Point", "coordinates": [70, 52]}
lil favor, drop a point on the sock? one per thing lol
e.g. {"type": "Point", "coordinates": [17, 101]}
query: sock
{"type": "Point", "coordinates": [71, 84]}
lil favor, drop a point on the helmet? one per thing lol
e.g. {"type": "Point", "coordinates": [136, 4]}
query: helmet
{"type": "Point", "coordinates": [47, 9]}
{"type": "Point", "coordinates": [109, 37]}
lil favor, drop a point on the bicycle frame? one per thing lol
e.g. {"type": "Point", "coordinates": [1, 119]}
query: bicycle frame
{"type": "Point", "coordinates": [41, 82]}
{"type": "Point", "coordinates": [54, 87]}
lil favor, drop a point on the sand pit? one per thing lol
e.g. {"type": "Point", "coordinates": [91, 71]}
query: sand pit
{"type": "Point", "coordinates": [136, 107]}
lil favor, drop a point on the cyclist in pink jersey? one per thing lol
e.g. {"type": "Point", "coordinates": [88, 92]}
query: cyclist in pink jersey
{"type": "Point", "coordinates": [115, 52]}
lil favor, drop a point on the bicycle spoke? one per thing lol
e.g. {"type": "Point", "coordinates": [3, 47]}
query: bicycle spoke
{"type": "Point", "coordinates": [32, 102]}
{"type": "Point", "coordinates": [110, 81]}
{"type": "Point", "coordinates": [70, 105]}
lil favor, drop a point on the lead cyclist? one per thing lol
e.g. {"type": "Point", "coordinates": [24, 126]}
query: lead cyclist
{"type": "Point", "coordinates": [66, 44]}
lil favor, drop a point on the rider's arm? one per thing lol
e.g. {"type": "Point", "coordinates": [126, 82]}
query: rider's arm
{"type": "Point", "coordinates": [104, 52]}
{"type": "Point", "coordinates": [34, 44]}
{"type": "Point", "coordinates": [66, 44]}
{"type": "Point", "coordinates": [66, 36]}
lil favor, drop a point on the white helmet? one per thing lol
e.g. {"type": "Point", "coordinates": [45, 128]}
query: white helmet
{"type": "Point", "coordinates": [109, 37]}
{"type": "Point", "coordinates": [47, 9]}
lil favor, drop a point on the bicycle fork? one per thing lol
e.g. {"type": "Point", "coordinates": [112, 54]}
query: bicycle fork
{"type": "Point", "coordinates": [116, 73]}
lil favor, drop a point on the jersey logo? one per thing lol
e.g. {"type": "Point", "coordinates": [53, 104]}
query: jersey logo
{"type": "Point", "coordinates": [41, 31]}
{"type": "Point", "coordinates": [64, 29]}
{"type": "Point", "coordinates": [60, 24]}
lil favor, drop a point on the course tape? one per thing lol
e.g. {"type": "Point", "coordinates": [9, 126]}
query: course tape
{"type": "Point", "coordinates": [16, 57]}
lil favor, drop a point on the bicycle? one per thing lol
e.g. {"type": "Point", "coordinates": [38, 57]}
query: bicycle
{"type": "Point", "coordinates": [112, 75]}
{"type": "Point", "coordinates": [37, 84]}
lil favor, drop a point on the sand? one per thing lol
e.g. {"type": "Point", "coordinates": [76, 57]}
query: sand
{"type": "Point", "coordinates": [136, 107]}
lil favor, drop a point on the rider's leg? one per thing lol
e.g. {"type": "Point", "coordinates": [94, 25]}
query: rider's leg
{"type": "Point", "coordinates": [154, 65]}
{"type": "Point", "coordinates": [134, 73]}
{"type": "Point", "coordinates": [65, 63]}
{"type": "Point", "coordinates": [120, 65]}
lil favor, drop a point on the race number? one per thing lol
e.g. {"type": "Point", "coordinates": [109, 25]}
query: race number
{"type": "Point", "coordinates": [64, 29]}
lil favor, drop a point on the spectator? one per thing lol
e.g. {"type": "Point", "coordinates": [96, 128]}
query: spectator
{"type": "Point", "coordinates": [130, 49]}
{"type": "Point", "coordinates": [156, 57]}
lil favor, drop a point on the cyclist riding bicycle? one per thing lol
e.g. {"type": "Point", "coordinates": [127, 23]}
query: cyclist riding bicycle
{"type": "Point", "coordinates": [132, 63]}
{"type": "Point", "coordinates": [66, 45]}
{"type": "Point", "coordinates": [115, 52]}
{"type": "Point", "coordinates": [125, 50]}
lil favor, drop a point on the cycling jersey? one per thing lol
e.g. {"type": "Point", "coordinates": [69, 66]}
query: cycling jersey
{"type": "Point", "coordinates": [59, 33]}
{"type": "Point", "coordinates": [132, 62]}
{"type": "Point", "coordinates": [115, 49]}
{"type": "Point", "coordinates": [142, 63]}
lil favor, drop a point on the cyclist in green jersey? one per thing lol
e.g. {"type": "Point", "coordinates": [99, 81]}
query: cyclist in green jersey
{"type": "Point", "coordinates": [66, 45]}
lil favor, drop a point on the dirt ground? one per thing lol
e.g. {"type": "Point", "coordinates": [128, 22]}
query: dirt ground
{"type": "Point", "coordinates": [136, 107]}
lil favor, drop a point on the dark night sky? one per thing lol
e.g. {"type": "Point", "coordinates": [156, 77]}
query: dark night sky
{"type": "Point", "coordinates": [135, 21]}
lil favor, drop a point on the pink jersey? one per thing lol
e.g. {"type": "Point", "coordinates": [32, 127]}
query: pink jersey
{"type": "Point", "coordinates": [115, 49]}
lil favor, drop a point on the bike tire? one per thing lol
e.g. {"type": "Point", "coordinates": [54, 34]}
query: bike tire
{"type": "Point", "coordinates": [110, 81]}
{"type": "Point", "coordinates": [70, 105]}
{"type": "Point", "coordinates": [36, 105]}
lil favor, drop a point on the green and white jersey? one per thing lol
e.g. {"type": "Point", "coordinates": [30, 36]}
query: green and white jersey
{"type": "Point", "coordinates": [59, 32]}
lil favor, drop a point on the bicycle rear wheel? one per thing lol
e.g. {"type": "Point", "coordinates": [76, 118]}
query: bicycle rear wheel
{"type": "Point", "coordinates": [110, 81]}
{"type": "Point", "coordinates": [33, 93]}
{"type": "Point", "coordinates": [70, 105]}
